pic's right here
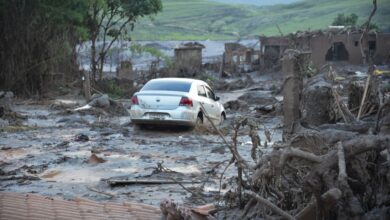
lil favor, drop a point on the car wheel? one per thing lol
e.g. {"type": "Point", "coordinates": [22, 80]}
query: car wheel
{"type": "Point", "coordinates": [199, 121]}
{"type": "Point", "coordinates": [140, 127]}
{"type": "Point", "coordinates": [222, 119]}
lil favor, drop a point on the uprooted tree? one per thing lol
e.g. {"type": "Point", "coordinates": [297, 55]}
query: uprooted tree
{"type": "Point", "coordinates": [332, 171]}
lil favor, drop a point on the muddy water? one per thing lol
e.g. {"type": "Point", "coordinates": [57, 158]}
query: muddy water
{"type": "Point", "coordinates": [48, 158]}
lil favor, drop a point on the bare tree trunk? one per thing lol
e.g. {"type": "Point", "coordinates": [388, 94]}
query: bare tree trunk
{"type": "Point", "coordinates": [222, 67]}
{"type": "Point", "coordinates": [87, 85]}
{"type": "Point", "coordinates": [93, 59]}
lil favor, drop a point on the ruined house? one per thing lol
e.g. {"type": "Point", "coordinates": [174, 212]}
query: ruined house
{"type": "Point", "coordinates": [329, 46]}
{"type": "Point", "coordinates": [125, 71]}
{"type": "Point", "coordinates": [239, 58]}
{"type": "Point", "coordinates": [188, 59]}
{"type": "Point", "coordinates": [272, 49]}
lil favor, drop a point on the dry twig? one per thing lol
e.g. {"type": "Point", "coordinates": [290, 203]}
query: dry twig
{"type": "Point", "coordinates": [270, 205]}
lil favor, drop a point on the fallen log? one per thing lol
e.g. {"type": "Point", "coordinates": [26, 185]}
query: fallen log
{"type": "Point", "coordinates": [120, 182]}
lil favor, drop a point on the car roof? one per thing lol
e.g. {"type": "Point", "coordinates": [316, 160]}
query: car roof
{"type": "Point", "coordinates": [178, 80]}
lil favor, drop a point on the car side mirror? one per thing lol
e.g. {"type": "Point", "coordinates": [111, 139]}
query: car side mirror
{"type": "Point", "coordinates": [217, 98]}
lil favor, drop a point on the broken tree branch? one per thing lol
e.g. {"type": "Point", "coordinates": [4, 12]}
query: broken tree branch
{"type": "Point", "coordinates": [351, 148]}
{"type": "Point", "coordinates": [348, 117]}
{"type": "Point", "coordinates": [368, 81]}
{"type": "Point", "coordinates": [100, 192]}
{"type": "Point", "coordinates": [222, 174]}
{"type": "Point", "coordinates": [280, 31]}
{"type": "Point", "coordinates": [346, 114]}
{"type": "Point", "coordinates": [293, 152]}
{"type": "Point", "coordinates": [342, 167]}
{"type": "Point", "coordinates": [365, 30]}
{"type": "Point", "coordinates": [270, 205]}
{"type": "Point", "coordinates": [240, 161]}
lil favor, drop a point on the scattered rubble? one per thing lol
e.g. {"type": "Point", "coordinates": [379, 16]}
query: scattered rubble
{"type": "Point", "coordinates": [100, 101]}
{"type": "Point", "coordinates": [81, 137]}
{"type": "Point", "coordinates": [93, 159]}
{"type": "Point", "coordinates": [342, 168]}
{"type": "Point", "coordinates": [101, 104]}
{"type": "Point", "coordinates": [7, 116]}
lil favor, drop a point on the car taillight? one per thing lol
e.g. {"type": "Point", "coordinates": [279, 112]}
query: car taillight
{"type": "Point", "coordinates": [134, 100]}
{"type": "Point", "coordinates": [185, 102]}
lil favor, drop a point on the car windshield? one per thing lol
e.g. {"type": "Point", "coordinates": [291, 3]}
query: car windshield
{"type": "Point", "coordinates": [179, 86]}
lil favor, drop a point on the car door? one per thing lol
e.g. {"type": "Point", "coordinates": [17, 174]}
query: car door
{"type": "Point", "coordinates": [202, 97]}
{"type": "Point", "coordinates": [211, 105]}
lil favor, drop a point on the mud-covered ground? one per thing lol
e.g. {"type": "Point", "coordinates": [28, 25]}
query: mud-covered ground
{"type": "Point", "coordinates": [53, 153]}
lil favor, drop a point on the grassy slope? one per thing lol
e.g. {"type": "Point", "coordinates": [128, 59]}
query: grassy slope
{"type": "Point", "coordinates": [202, 19]}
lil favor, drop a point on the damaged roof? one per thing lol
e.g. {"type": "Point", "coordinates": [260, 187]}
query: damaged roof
{"type": "Point", "coordinates": [33, 206]}
{"type": "Point", "coordinates": [190, 45]}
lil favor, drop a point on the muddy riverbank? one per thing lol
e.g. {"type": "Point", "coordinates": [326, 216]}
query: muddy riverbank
{"type": "Point", "coordinates": [63, 153]}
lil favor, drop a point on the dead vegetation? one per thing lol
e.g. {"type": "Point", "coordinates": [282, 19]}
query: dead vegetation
{"type": "Point", "coordinates": [331, 171]}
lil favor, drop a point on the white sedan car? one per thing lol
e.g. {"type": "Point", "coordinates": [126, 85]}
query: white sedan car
{"type": "Point", "coordinates": [176, 101]}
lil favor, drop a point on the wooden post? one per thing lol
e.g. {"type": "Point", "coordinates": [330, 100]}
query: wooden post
{"type": "Point", "coordinates": [87, 85]}
{"type": "Point", "coordinates": [222, 67]}
{"type": "Point", "coordinates": [292, 90]}
{"type": "Point", "coordinates": [368, 82]}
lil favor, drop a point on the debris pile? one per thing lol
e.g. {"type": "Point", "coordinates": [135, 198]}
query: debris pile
{"type": "Point", "coordinates": [102, 104]}
{"type": "Point", "coordinates": [7, 116]}
{"type": "Point", "coordinates": [331, 165]}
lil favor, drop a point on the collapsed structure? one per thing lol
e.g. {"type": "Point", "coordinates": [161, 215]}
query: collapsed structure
{"type": "Point", "coordinates": [239, 58]}
{"type": "Point", "coordinates": [330, 45]}
{"type": "Point", "coordinates": [188, 59]}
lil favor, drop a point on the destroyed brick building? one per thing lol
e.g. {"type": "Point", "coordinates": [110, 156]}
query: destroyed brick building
{"type": "Point", "coordinates": [328, 46]}
{"type": "Point", "coordinates": [188, 59]}
{"type": "Point", "coordinates": [125, 70]}
{"type": "Point", "coordinates": [272, 49]}
{"type": "Point", "coordinates": [240, 58]}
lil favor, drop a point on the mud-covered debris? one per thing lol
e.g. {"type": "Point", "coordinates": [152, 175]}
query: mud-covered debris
{"type": "Point", "coordinates": [93, 159]}
{"type": "Point", "coordinates": [12, 117]}
{"type": "Point", "coordinates": [218, 150]}
{"type": "Point", "coordinates": [236, 105]}
{"type": "Point", "coordinates": [233, 85]}
{"type": "Point", "coordinates": [63, 144]}
{"type": "Point", "coordinates": [265, 109]}
{"type": "Point", "coordinates": [100, 100]}
{"type": "Point", "coordinates": [6, 96]}
{"type": "Point", "coordinates": [51, 174]}
{"type": "Point", "coordinates": [318, 102]}
{"type": "Point", "coordinates": [81, 138]}
{"type": "Point", "coordinates": [174, 211]}
{"type": "Point", "coordinates": [258, 98]}
{"type": "Point", "coordinates": [3, 123]}
{"type": "Point", "coordinates": [383, 119]}
{"type": "Point", "coordinates": [63, 105]}
{"type": "Point", "coordinates": [355, 94]}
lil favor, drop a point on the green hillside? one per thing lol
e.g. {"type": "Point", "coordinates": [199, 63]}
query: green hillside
{"type": "Point", "coordinates": [202, 19]}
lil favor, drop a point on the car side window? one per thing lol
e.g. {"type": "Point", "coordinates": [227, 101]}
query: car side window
{"type": "Point", "coordinates": [210, 93]}
{"type": "Point", "coordinates": [201, 91]}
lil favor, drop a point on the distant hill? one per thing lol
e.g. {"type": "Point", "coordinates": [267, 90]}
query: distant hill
{"type": "Point", "coordinates": [256, 2]}
{"type": "Point", "coordinates": [205, 19]}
